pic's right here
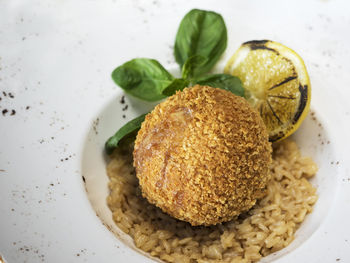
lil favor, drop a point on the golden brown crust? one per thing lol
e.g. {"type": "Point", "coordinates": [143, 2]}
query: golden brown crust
{"type": "Point", "coordinates": [203, 156]}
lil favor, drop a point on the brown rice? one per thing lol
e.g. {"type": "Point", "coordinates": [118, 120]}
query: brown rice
{"type": "Point", "coordinates": [268, 227]}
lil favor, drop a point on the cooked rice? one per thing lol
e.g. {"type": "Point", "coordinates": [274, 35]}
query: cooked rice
{"type": "Point", "coordinates": [268, 227]}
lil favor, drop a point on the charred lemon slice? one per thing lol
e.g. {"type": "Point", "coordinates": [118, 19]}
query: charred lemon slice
{"type": "Point", "coordinates": [276, 84]}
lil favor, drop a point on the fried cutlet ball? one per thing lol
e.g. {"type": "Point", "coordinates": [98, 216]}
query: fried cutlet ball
{"type": "Point", "coordinates": [203, 156]}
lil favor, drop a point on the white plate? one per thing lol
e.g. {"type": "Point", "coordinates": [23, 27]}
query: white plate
{"type": "Point", "coordinates": [56, 58]}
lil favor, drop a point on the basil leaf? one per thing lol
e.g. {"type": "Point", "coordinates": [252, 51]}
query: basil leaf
{"type": "Point", "coordinates": [201, 33]}
{"type": "Point", "coordinates": [223, 81]}
{"type": "Point", "coordinates": [177, 84]}
{"type": "Point", "coordinates": [143, 78]}
{"type": "Point", "coordinates": [128, 131]}
{"type": "Point", "coordinates": [191, 64]}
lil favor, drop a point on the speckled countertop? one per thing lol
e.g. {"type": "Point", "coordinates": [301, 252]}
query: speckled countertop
{"type": "Point", "coordinates": [55, 63]}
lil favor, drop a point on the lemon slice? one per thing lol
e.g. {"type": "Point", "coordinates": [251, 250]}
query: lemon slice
{"type": "Point", "coordinates": [276, 83]}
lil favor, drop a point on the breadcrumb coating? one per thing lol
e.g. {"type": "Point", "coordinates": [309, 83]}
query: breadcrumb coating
{"type": "Point", "coordinates": [203, 156]}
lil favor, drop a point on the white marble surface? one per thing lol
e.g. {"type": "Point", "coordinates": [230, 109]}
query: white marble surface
{"type": "Point", "coordinates": [56, 58]}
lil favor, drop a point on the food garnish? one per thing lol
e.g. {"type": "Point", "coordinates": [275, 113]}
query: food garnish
{"type": "Point", "coordinates": [143, 78]}
{"type": "Point", "coordinates": [276, 83]}
{"type": "Point", "coordinates": [271, 76]}
{"type": "Point", "coordinates": [200, 41]}
{"type": "Point", "coordinates": [128, 131]}
{"type": "Point", "coordinates": [200, 33]}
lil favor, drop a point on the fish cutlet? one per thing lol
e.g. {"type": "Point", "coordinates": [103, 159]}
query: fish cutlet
{"type": "Point", "coordinates": [203, 156]}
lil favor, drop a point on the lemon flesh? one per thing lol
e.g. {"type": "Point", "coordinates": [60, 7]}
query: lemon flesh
{"type": "Point", "coordinates": [276, 84]}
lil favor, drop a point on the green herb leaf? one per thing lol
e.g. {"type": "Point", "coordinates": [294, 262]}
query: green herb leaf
{"type": "Point", "coordinates": [223, 81]}
{"type": "Point", "coordinates": [191, 64]}
{"type": "Point", "coordinates": [143, 78]}
{"type": "Point", "coordinates": [127, 132]}
{"type": "Point", "coordinates": [201, 33]}
{"type": "Point", "coordinates": [177, 84]}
